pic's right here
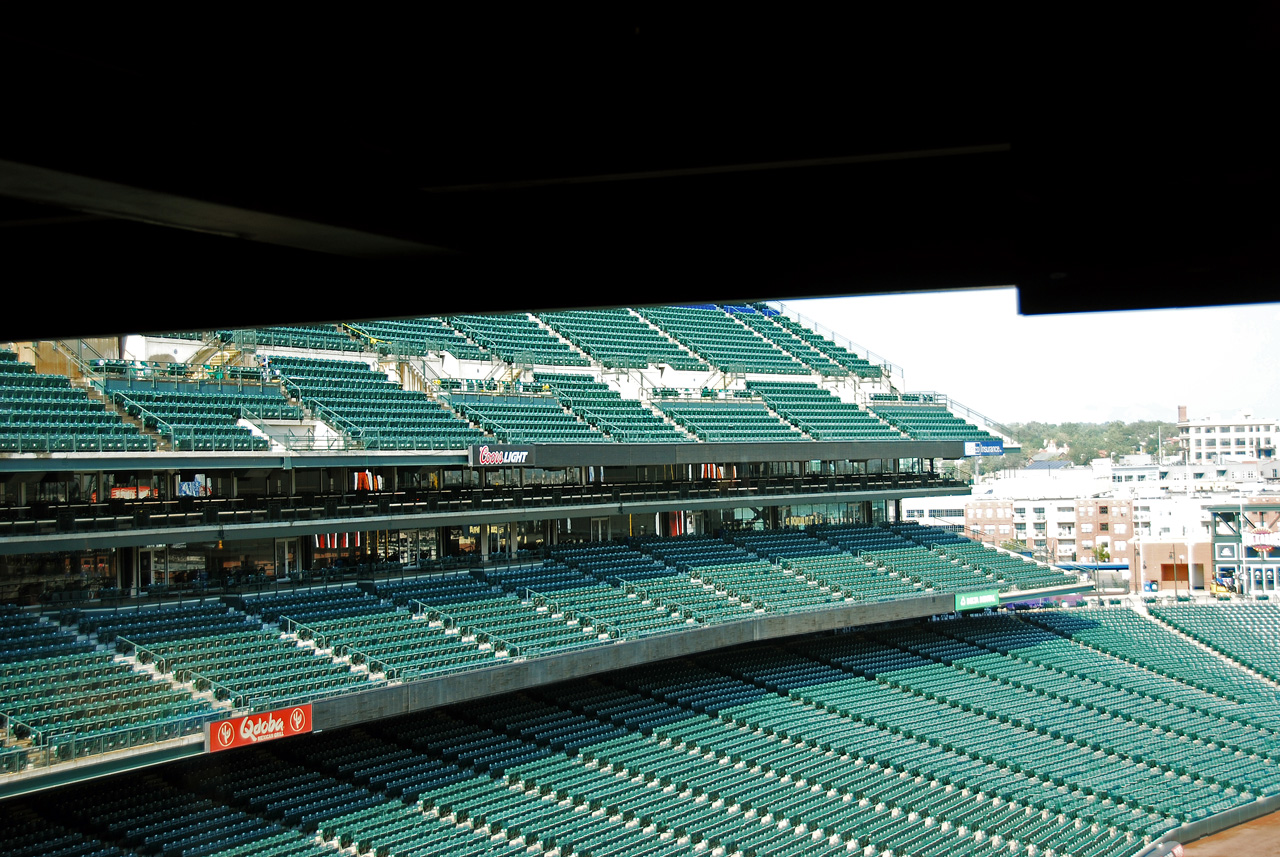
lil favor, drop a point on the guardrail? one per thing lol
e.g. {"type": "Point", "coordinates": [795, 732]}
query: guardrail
{"type": "Point", "coordinates": [847, 344]}
{"type": "Point", "coordinates": [583, 618]}
{"type": "Point", "coordinates": [685, 612]}
{"type": "Point", "coordinates": [435, 614]}
{"type": "Point", "coordinates": [50, 746]}
{"type": "Point", "coordinates": [164, 664]}
{"type": "Point", "coordinates": [333, 641]}
{"type": "Point", "coordinates": [349, 429]}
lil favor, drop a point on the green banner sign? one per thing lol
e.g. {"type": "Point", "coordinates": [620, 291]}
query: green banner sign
{"type": "Point", "coordinates": [977, 600]}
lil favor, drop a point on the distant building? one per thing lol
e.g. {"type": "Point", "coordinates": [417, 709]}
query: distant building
{"type": "Point", "coordinates": [1216, 438]}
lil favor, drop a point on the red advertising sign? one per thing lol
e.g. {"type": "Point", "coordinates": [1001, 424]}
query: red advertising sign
{"type": "Point", "coordinates": [256, 728]}
{"type": "Point", "coordinates": [132, 492]}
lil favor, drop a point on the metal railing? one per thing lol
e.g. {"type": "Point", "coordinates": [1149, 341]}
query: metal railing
{"type": "Point", "coordinates": [970, 413]}
{"type": "Point", "coordinates": [333, 641]}
{"type": "Point", "coordinates": [629, 588]}
{"type": "Point", "coordinates": [568, 400]}
{"type": "Point", "coordinates": [163, 664]}
{"type": "Point", "coordinates": [448, 622]}
{"type": "Point", "coordinates": [889, 368]}
{"type": "Point", "coordinates": [353, 432]}
{"type": "Point", "coordinates": [50, 747]}
{"type": "Point", "coordinates": [75, 355]}
{"type": "Point", "coordinates": [569, 612]}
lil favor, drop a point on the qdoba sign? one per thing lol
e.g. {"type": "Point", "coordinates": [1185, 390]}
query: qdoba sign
{"type": "Point", "coordinates": [256, 728]}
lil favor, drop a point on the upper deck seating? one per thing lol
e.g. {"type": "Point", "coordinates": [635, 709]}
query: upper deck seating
{"type": "Point", "coordinates": [819, 413]}
{"type": "Point", "coordinates": [313, 337]}
{"type": "Point", "coordinates": [718, 339]}
{"type": "Point", "coordinates": [859, 366]}
{"type": "Point", "coordinates": [421, 336]}
{"type": "Point", "coordinates": [729, 421]}
{"type": "Point", "coordinates": [625, 420]}
{"type": "Point", "coordinates": [516, 339]}
{"type": "Point", "coordinates": [616, 338]}
{"type": "Point", "coordinates": [373, 408]}
{"type": "Point", "coordinates": [44, 413]}
{"type": "Point", "coordinates": [767, 327]}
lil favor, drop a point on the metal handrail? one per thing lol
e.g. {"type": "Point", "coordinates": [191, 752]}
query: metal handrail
{"type": "Point", "coordinates": [586, 412]}
{"type": "Point", "coordinates": [541, 599]}
{"type": "Point", "coordinates": [685, 612]}
{"type": "Point", "coordinates": [328, 415]}
{"type": "Point", "coordinates": [163, 664]}
{"type": "Point", "coordinates": [795, 421]}
{"type": "Point", "coordinates": [844, 342]}
{"type": "Point", "coordinates": [144, 412]}
{"type": "Point", "coordinates": [322, 639]}
{"type": "Point", "coordinates": [447, 621]}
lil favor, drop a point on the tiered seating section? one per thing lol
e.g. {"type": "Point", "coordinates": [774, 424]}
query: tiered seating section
{"type": "Point", "coordinates": [205, 417]}
{"type": "Point", "coordinates": [217, 649]}
{"type": "Point", "coordinates": [715, 337]}
{"type": "Point", "coordinates": [924, 421]}
{"type": "Point", "coordinates": [783, 338]}
{"type": "Point", "coordinates": [524, 418]}
{"type": "Point", "coordinates": [1249, 634]}
{"type": "Point", "coordinates": [856, 365]}
{"type": "Point", "coordinates": [623, 420]}
{"type": "Point", "coordinates": [371, 407]}
{"type": "Point", "coordinates": [44, 413]}
{"type": "Point", "coordinates": [515, 338]}
{"type": "Point", "coordinates": [616, 338]}
{"type": "Point", "coordinates": [729, 421]}
{"type": "Point", "coordinates": [270, 650]}
{"type": "Point", "coordinates": [367, 631]}
{"type": "Point", "coordinates": [819, 413]}
{"type": "Point", "coordinates": [984, 736]}
{"type": "Point", "coordinates": [312, 337]}
{"type": "Point", "coordinates": [63, 699]}
{"type": "Point", "coordinates": [422, 335]}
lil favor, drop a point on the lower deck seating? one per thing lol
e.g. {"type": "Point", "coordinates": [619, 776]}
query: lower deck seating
{"type": "Point", "coordinates": [984, 736]}
{"type": "Point", "coordinates": [62, 698]}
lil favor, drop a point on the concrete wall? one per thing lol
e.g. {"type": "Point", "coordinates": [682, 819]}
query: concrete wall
{"type": "Point", "coordinates": [1221, 821]}
{"type": "Point", "coordinates": [357, 708]}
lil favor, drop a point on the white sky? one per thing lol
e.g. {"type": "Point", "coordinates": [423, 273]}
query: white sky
{"type": "Point", "coordinates": [1086, 367]}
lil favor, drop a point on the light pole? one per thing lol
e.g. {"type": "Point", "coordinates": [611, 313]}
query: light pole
{"type": "Point", "coordinates": [1190, 562]}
